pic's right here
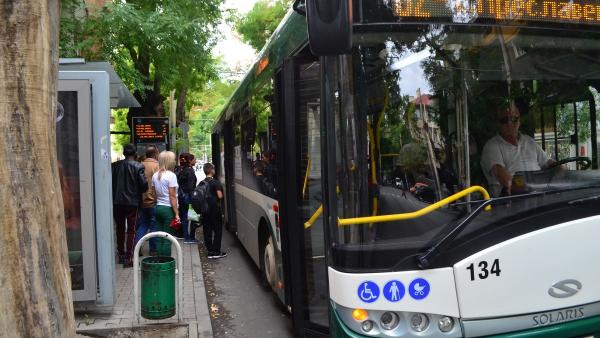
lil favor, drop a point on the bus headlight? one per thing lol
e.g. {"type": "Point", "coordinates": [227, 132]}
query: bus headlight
{"type": "Point", "coordinates": [389, 320]}
{"type": "Point", "coordinates": [367, 325]}
{"type": "Point", "coordinates": [445, 324]}
{"type": "Point", "coordinates": [419, 322]}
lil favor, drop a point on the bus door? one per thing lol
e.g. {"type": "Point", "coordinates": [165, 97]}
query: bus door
{"type": "Point", "coordinates": [301, 202]}
{"type": "Point", "coordinates": [229, 208]}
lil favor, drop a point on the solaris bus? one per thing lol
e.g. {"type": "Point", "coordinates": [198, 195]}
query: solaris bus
{"type": "Point", "coordinates": [353, 156]}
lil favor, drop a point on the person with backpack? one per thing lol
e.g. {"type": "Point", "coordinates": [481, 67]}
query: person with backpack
{"type": "Point", "coordinates": [206, 200]}
{"type": "Point", "coordinates": [186, 178]}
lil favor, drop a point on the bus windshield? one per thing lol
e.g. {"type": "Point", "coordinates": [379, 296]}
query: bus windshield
{"type": "Point", "coordinates": [425, 111]}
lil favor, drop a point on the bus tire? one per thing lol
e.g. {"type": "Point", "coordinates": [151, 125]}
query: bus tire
{"type": "Point", "coordinates": [268, 263]}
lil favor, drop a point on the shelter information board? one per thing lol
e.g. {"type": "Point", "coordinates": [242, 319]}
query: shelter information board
{"type": "Point", "coordinates": [150, 130]}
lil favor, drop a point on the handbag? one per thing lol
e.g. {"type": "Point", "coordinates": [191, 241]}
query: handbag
{"type": "Point", "coordinates": [175, 224]}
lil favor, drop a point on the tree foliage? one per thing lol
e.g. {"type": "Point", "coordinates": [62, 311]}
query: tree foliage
{"type": "Point", "coordinates": [154, 45]}
{"type": "Point", "coordinates": [209, 103]}
{"type": "Point", "coordinates": [258, 24]}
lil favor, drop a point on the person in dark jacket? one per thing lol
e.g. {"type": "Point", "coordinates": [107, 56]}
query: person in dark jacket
{"type": "Point", "coordinates": [186, 178]}
{"type": "Point", "coordinates": [212, 221]}
{"type": "Point", "coordinates": [128, 184]}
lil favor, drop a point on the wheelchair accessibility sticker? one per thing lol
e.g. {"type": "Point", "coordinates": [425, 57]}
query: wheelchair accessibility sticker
{"type": "Point", "coordinates": [393, 290]}
{"type": "Point", "coordinates": [368, 292]}
{"type": "Point", "coordinates": [419, 289]}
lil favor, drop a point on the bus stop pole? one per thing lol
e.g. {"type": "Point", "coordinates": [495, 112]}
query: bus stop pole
{"type": "Point", "coordinates": [178, 272]}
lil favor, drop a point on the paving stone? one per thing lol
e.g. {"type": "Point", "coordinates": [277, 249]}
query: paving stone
{"type": "Point", "coordinates": [194, 308]}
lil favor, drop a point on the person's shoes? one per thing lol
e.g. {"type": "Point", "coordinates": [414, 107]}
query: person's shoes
{"type": "Point", "coordinates": [216, 255]}
{"type": "Point", "coordinates": [122, 258]}
{"type": "Point", "coordinates": [153, 253]}
{"type": "Point", "coordinates": [128, 264]}
{"type": "Point", "coordinates": [190, 241]}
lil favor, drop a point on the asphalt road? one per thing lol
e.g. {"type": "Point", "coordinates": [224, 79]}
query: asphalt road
{"type": "Point", "coordinates": [240, 306]}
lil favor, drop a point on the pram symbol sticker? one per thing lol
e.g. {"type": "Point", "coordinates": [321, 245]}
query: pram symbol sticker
{"type": "Point", "coordinates": [419, 289]}
{"type": "Point", "coordinates": [368, 292]}
{"type": "Point", "coordinates": [393, 291]}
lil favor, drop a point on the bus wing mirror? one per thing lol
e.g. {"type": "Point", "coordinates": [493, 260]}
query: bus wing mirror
{"type": "Point", "coordinates": [329, 26]}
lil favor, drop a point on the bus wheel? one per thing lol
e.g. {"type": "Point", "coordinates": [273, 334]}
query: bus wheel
{"type": "Point", "coordinates": [269, 271]}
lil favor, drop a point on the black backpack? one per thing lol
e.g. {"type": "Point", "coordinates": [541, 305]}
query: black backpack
{"type": "Point", "coordinates": [199, 198]}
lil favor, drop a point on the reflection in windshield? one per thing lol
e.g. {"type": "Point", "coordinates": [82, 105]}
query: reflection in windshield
{"type": "Point", "coordinates": [436, 109]}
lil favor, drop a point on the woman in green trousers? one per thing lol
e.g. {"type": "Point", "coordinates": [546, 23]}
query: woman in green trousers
{"type": "Point", "coordinates": [165, 185]}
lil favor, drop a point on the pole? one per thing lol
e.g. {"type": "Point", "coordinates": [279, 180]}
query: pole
{"type": "Point", "coordinates": [172, 121]}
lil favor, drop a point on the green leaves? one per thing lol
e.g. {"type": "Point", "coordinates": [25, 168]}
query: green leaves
{"type": "Point", "coordinates": [259, 24]}
{"type": "Point", "coordinates": [154, 45]}
{"type": "Point", "coordinates": [208, 104]}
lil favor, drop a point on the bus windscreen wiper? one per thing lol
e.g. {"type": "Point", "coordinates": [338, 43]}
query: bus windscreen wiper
{"type": "Point", "coordinates": [425, 260]}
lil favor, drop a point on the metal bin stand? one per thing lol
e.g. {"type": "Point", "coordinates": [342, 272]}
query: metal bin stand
{"type": "Point", "coordinates": [178, 272]}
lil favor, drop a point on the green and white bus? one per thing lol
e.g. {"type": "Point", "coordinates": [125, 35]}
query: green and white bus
{"type": "Point", "coordinates": [355, 160]}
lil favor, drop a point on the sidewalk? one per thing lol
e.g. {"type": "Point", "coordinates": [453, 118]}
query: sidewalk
{"type": "Point", "coordinates": [121, 317]}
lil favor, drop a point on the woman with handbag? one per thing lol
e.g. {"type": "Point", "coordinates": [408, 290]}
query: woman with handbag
{"type": "Point", "coordinates": [167, 211]}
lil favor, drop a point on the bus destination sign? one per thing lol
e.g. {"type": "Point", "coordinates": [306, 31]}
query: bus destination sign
{"type": "Point", "coordinates": [150, 130]}
{"type": "Point", "coordinates": [578, 12]}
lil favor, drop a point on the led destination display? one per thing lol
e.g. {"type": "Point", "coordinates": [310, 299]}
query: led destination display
{"type": "Point", "coordinates": [153, 130]}
{"type": "Point", "coordinates": [579, 12]}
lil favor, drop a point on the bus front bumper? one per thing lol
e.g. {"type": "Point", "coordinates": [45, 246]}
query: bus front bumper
{"type": "Point", "coordinates": [587, 327]}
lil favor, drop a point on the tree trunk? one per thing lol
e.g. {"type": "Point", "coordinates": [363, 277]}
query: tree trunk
{"type": "Point", "coordinates": [151, 100]}
{"type": "Point", "coordinates": [181, 105]}
{"type": "Point", "coordinates": [35, 285]}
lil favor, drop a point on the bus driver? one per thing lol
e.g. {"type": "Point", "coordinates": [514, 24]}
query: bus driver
{"type": "Point", "coordinates": [510, 152]}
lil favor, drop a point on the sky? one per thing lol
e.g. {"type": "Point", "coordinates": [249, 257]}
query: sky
{"type": "Point", "coordinates": [236, 55]}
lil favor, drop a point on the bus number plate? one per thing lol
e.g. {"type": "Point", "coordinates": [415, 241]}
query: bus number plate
{"type": "Point", "coordinates": [484, 269]}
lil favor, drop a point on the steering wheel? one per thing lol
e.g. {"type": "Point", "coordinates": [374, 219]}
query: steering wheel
{"type": "Point", "coordinates": [584, 162]}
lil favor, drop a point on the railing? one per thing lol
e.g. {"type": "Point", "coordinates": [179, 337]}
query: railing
{"type": "Point", "coordinates": [418, 213]}
{"type": "Point", "coordinates": [314, 217]}
{"type": "Point", "coordinates": [403, 216]}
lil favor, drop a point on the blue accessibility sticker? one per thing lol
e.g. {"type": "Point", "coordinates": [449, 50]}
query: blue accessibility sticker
{"type": "Point", "coordinates": [419, 289]}
{"type": "Point", "coordinates": [393, 290]}
{"type": "Point", "coordinates": [368, 292]}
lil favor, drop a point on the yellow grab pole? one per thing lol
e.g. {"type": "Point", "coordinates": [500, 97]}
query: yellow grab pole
{"type": "Point", "coordinates": [418, 213]}
{"type": "Point", "coordinates": [306, 178]}
{"type": "Point", "coordinates": [314, 217]}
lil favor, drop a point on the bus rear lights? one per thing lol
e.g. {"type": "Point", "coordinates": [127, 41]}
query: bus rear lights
{"type": "Point", "coordinates": [389, 320]}
{"type": "Point", "coordinates": [275, 208]}
{"type": "Point", "coordinates": [367, 325]}
{"type": "Point", "coordinates": [419, 322]}
{"type": "Point", "coordinates": [359, 315]}
{"type": "Point", "coordinates": [446, 324]}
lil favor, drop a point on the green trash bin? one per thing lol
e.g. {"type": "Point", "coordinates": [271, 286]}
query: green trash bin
{"type": "Point", "coordinates": [158, 287]}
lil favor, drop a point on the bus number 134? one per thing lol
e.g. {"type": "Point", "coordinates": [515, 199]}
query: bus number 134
{"type": "Point", "coordinates": [484, 270]}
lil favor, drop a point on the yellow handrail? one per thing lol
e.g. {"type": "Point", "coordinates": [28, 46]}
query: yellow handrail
{"type": "Point", "coordinates": [314, 217]}
{"type": "Point", "coordinates": [418, 213]}
{"type": "Point", "coordinates": [306, 178]}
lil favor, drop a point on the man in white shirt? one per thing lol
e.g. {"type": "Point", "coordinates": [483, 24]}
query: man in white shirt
{"type": "Point", "coordinates": [509, 152]}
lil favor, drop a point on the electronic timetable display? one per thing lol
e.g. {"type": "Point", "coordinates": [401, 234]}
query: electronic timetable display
{"type": "Point", "coordinates": [150, 130]}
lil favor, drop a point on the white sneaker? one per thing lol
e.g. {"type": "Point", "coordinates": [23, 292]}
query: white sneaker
{"type": "Point", "coordinates": [217, 255]}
